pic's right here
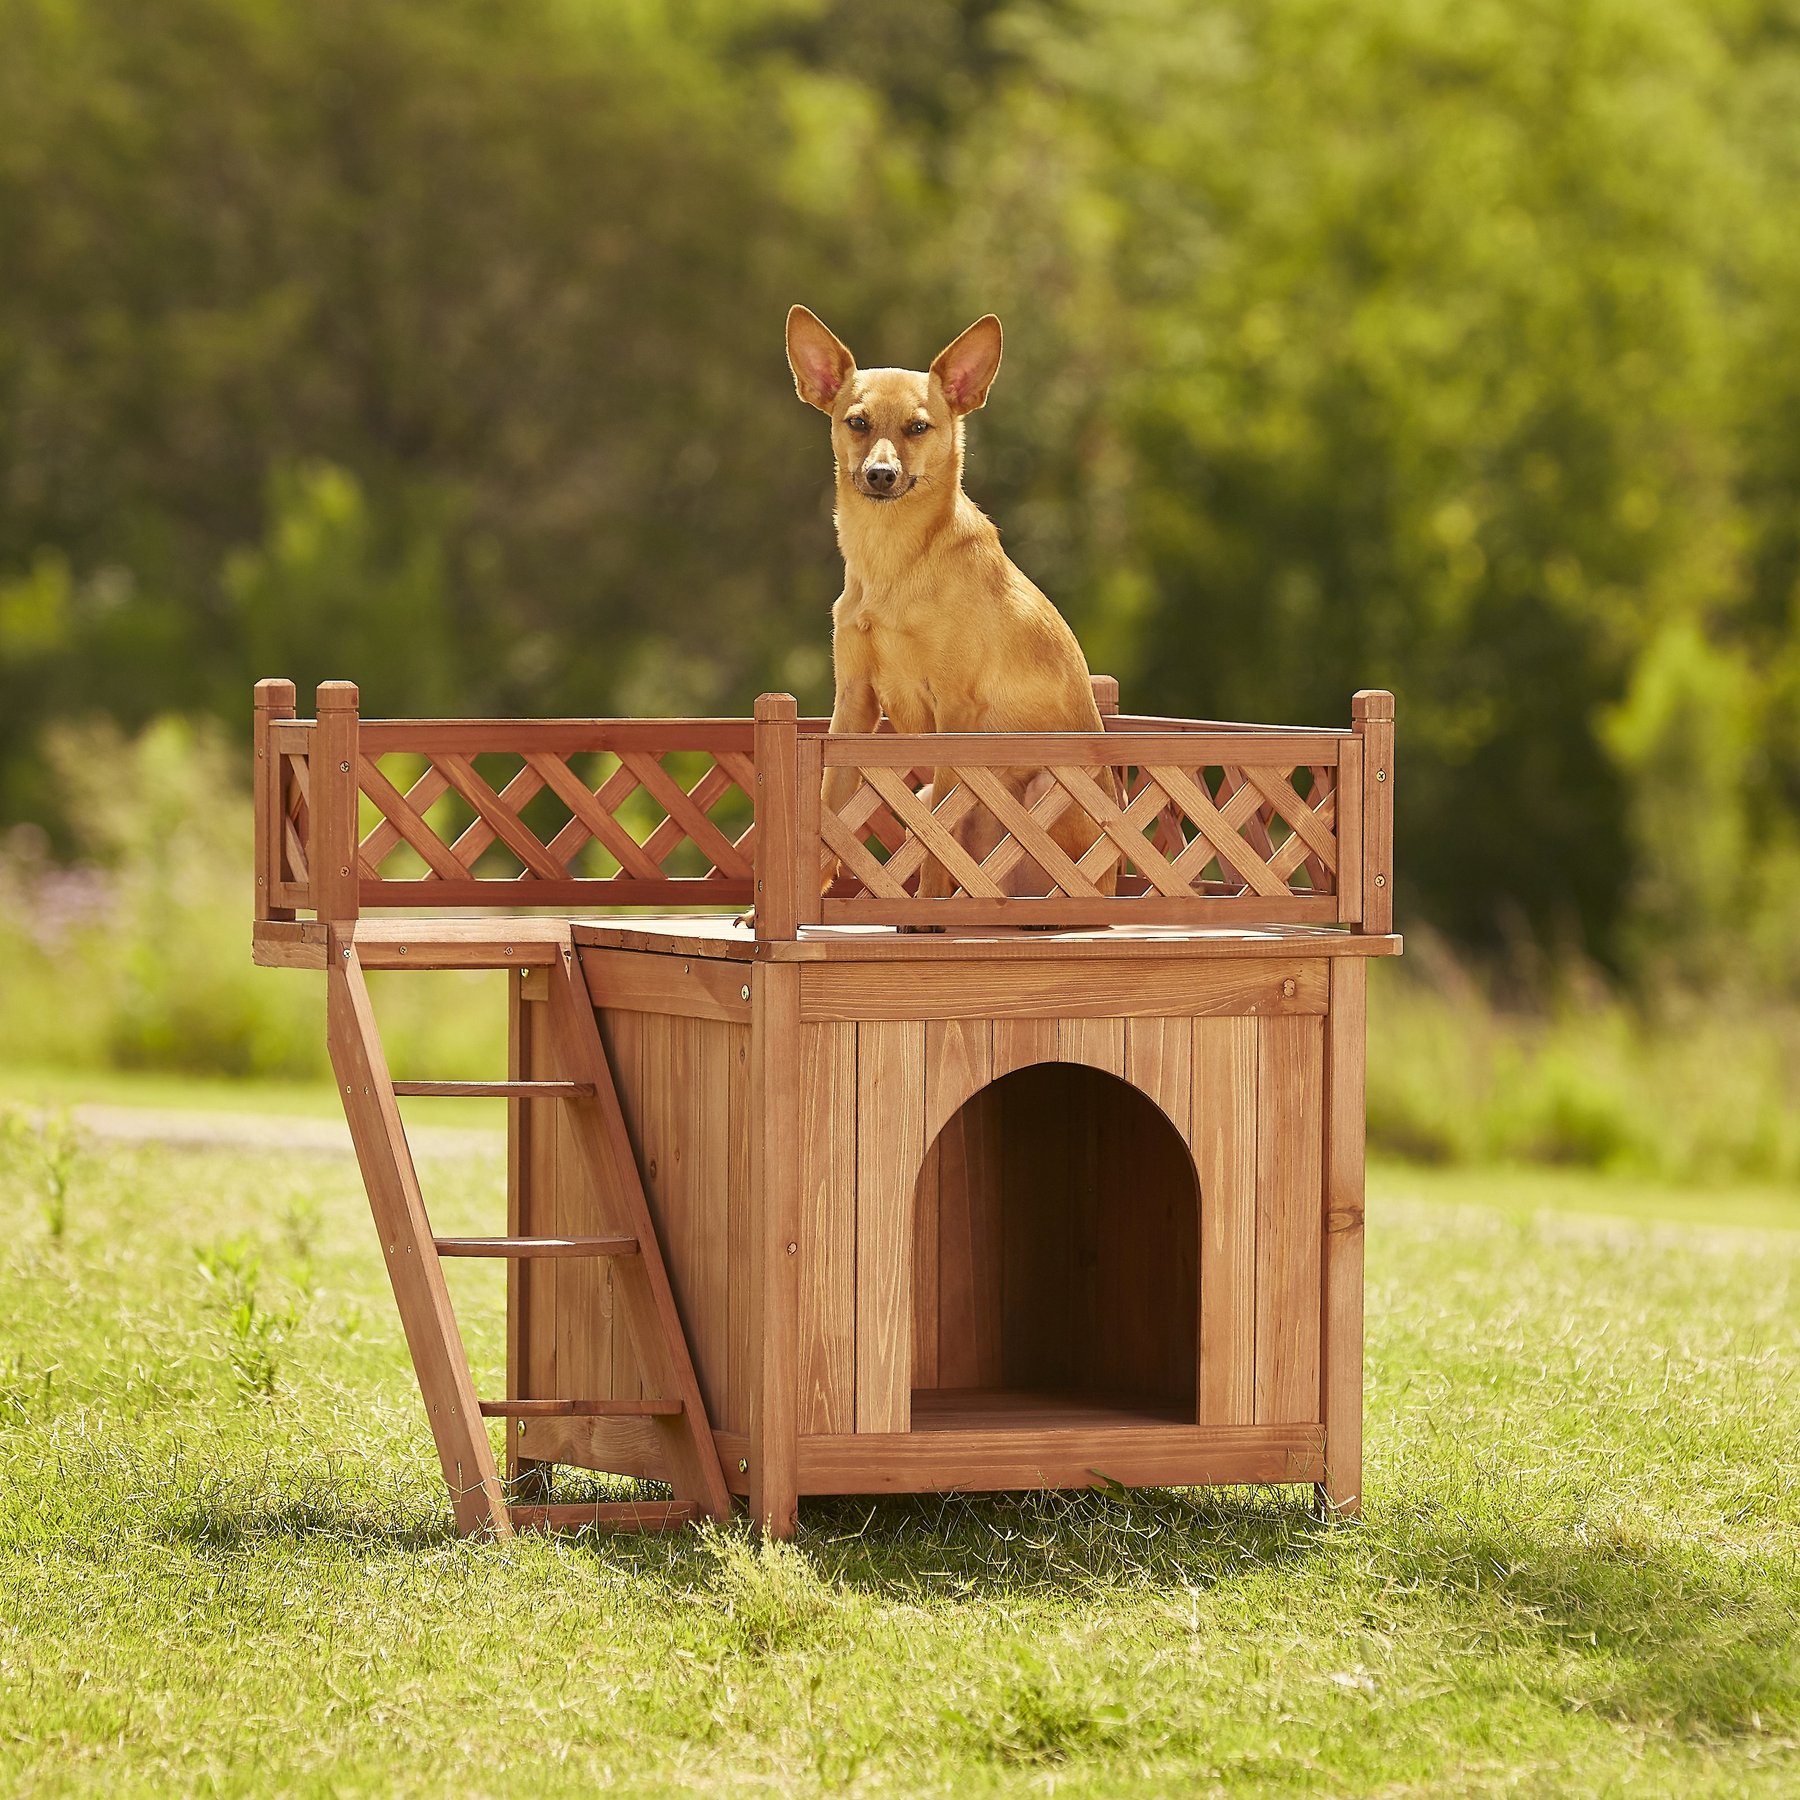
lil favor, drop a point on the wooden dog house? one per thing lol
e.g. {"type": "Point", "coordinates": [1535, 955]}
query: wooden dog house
{"type": "Point", "coordinates": [808, 1203]}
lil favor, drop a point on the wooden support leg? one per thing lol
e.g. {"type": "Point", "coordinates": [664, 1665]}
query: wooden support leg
{"type": "Point", "coordinates": [1339, 1495]}
{"type": "Point", "coordinates": [775, 1199]}
{"type": "Point", "coordinates": [420, 1292]}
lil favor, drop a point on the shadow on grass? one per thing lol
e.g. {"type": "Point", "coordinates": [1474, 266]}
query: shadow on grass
{"type": "Point", "coordinates": [1681, 1635]}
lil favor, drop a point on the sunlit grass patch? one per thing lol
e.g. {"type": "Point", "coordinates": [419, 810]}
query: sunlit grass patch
{"type": "Point", "coordinates": [1579, 1572]}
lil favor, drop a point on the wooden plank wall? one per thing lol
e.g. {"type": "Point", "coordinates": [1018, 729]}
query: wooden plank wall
{"type": "Point", "coordinates": [683, 1088]}
{"type": "Point", "coordinates": [902, 1281]}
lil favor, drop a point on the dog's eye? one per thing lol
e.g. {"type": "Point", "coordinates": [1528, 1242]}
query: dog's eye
{"type": "Point", "coordinates": [857, 424]}
{"type": "Point", "coordinates": [918, 428]}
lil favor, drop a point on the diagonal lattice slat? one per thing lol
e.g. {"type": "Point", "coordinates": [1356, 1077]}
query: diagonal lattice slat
{"type": "Point", "coordinates": [1249, 822]}
{"type": "Point", "coordinates": [682, 818]}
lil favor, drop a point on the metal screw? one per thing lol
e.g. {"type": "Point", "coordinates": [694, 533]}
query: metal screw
{"type": "Point", "coordinates": [743, 1465]}
{"type": "Point", "coordinates": [402, 949]}
{"type": "Point", "coordinates": [343, 768]}
{"type": "Point", "coordinates": [1287, 987]}
{"type": "Point", "coordinates": [521, 1428]}
{"type": "Point", "coordinates": [1381, 881]}
{"type": "Point", "coordinates": [1381, 774]}
{"type": "Point", "coordinates": [793, 1249]}
{"type": "Point", "coordinates": [744, 991]}
{"type": "Point", "coordinates": [686, 969]}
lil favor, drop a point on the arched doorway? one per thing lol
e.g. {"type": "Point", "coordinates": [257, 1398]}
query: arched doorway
{"type": "Point", "coordinates": [1055, 1257]}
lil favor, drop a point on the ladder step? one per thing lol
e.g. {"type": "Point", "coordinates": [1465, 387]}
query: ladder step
{"type": "Point", "coordinates": [529, 1247]}
{"type": "Point", "coordinates": [606, 1515]}
{"type": "Point", "coordinates": [578, 1409]}
{"type": "Point", "coordinates": [495, 1090]}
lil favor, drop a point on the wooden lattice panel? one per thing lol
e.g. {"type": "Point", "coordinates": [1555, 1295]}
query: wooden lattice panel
{"type": "Point", "coordinates": [1175, 823]}
{"type": "Point", "coordinates": [468, 824]}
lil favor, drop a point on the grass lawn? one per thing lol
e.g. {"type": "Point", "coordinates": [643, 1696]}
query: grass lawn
{"type": "Point", "coordinates": [1579, 1573]}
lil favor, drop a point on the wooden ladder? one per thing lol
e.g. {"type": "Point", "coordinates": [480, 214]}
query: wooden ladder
{"type": "Point", "coordinates": [414, 1258]}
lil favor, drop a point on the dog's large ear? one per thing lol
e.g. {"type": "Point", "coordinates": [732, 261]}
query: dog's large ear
{"type": "Point", "coordinates": [966, 369]}
{"type": "Point", "coordinates": [820, 363]}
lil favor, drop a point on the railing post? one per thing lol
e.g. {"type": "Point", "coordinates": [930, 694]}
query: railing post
{"type": "Point", "coordinates": [1106, 694]}
{"type": "Point", "coordinates": [1372, 714]}
{"type": "Point", "coordinates": [331, 855]}
{"type": "Point", "coordinates": [274, 700]}
{"type": "Point", "coordinates": [777, 859]}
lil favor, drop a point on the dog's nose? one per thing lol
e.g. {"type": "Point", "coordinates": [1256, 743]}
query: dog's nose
{"type": "Point", "coordinates": [881, 476]}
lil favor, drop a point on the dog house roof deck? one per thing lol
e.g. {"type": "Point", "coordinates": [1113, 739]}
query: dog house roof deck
{"type": "Point", "coordinates": [1219, 839]}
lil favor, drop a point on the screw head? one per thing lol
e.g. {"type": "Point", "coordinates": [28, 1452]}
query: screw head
{"type": "Point", "coordinates": [793, 1249]}
{"type": "Point", "coordinates": [744, 991]}
{"type": "Point", "coordinates": [1381, 881]}
{"type": "Point", "coordinates": [1381, 774]}
{"type": "Point", "coordinates": [743, 1465]}
{"type": "Point", "coordinates": [343, 768]}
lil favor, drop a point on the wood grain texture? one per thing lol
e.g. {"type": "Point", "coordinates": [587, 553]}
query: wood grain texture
{"type": "Point", "coordinates": [1094, 990]}
{"type": "Point", "coordinates": [432, 1336]}
{"type": "Point", "coordinates": [890, 1147]}
{"type": "Point", "coordinates": [1018, 1043]}
{"type": "Point", "coordinates": [1341, 1307]}
{"type": "Point", "coordinates": [332, 849]}
{"type": "Point", "coordinates": [1224, 1141]}
{"type": "Point", "coordinates": [740, 1246]}
{"type": "Point", "coordinates": [1372, 712]}
{"type": "Point", "coordinates": [274, 701]}
{"type": "Point", "coordinates": [683, 987]}
{"type": "Point", "coordinates": [640, 1283]}
{"type": "Point", "coordinates": [775, 1125]}
{"type": "Point", "coordinates": [958, 1063]}
{"type": "Point", "coordinates": [1099, 1043]}
{"type": "Point", "coordinates": [1026, 1458]}
{"type": "Point", "coordinates": [827, 1232]}
{"type": "Point", "coordinates": [622, 1037]}
{"type": "Point", "coordinates": [1289, 1188]}
{"type": "Point", "coordinates": [519, 1121]}
{"type": "Point", "coordinates": [777, 849]}
{"type": "Point", "coordinates": [716, 936]}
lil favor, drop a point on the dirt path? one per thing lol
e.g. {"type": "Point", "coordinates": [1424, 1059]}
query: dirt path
{"type": "Point", "coordinates": [265, 1131]}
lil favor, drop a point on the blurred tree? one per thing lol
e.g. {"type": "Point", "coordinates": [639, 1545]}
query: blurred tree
{"type": "Point", "coordinates": [1447, 347]}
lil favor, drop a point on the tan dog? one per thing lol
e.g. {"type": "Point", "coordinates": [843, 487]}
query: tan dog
{"type": "Point", "coordinates": [935, 627]}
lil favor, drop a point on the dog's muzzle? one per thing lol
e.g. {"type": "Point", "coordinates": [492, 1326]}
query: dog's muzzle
{"type": "Point", "coordinates": [882, 481]}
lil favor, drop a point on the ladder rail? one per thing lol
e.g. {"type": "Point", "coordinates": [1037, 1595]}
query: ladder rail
{"type": "Point", "coordinates": [414, 1256]}
{"type": "Point", "coordinates": [414, 1269]}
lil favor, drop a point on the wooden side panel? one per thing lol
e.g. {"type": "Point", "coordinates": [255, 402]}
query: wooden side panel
{"type": "Point", "coordinates": [622, 1033]}
{"type": "Point", "coordinates": [827, 1233]}
{"type": "Point", "coordinates": [1150, 1280]}
{"type": "Point", "coordinates": [583, 1294]}
{"type": "Point", "coordinates": [704, 1160]}
{"type": "Point", "coordinates": [890, 1144]}
{"type": "Point", "coordinates": [1289, 1181]}
{"type": "Point", "coordinates": [964, 1193]}
{"type": "Point", "coordinates": [775, 1152]}
{"type": "Point", "coordinates": [1018, 1043]}
{"type": "Point", "coordinates": [1341, 1310]}
{"type": "Point", "coordinates": [680, 1114]}
{"type": "Point", "coordinates": [1224, 1141]}
{"type": "Point", "coordinates": [740, 1245]}
{"type": "Point", "coordinates": [1100, 1043]}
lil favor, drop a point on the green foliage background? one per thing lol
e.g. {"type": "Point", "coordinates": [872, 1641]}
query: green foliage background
{"type": "Point", "coordinates": [1442, 346]}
